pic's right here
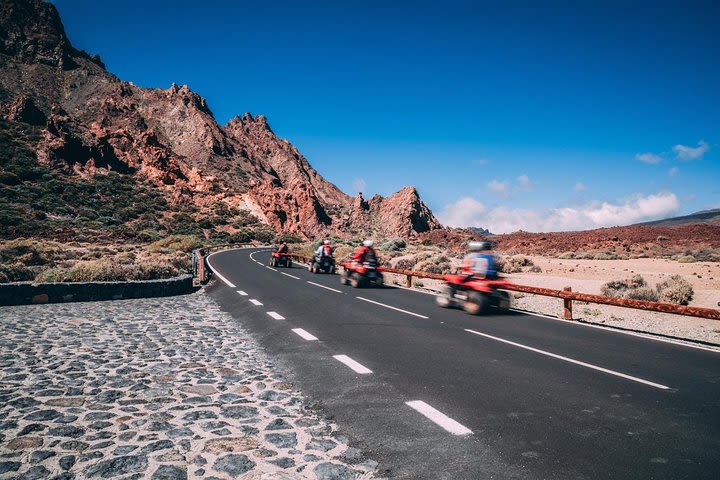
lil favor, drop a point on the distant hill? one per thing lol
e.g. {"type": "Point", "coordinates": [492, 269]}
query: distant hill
{"type": "Point", "coordinates": [711, 217]}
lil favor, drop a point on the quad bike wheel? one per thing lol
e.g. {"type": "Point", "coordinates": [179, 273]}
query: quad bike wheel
{"type": "Point", "coordinates": [475, 303]}
{"type": "Point", "coordinates": [332, 270]}
{"type": "Point", "coordinates": [344, 278]}
{"type": "Point", "coordinates": [355, 280]}
{"type": "Point", "coordinates": [443, 299]}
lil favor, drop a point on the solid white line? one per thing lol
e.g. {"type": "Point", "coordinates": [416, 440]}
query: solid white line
{"type": "Point", "coordinates": [227, 282]}
{"type": "Point", "coordinates": [291, 276]}
{"type": "Point", "coordinates": [255, 302]}
{"type": "Point", "coordinates": [393, 308]}
{"type": "Point", "coordinates": [305, 335]}
{"type": "Point", "coordinates": [323, 286]}
{"type": "Point", "coordinates": [439, 418]}
{"type": "Point", "coordinates": [576, 362]}
{"type": "Point", "coordinates": [242, 293]}
{"type": "Point", "coordinates": [276, 315]}
{"type": "Point", "coordinates": [355, 366]}
{"type": "Point", "coordinates": [646, 335]}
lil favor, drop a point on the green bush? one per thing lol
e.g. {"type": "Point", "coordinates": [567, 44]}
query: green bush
{"type": "Point", "coordinates": [676, 290]}
{"type": "Point", "coordinates": [393, 245]}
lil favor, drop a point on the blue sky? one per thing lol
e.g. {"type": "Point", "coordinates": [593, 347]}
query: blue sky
{"type": "Point", "coordinates": [505, 115]}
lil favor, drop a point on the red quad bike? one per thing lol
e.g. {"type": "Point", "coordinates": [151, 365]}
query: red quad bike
{"type": "Point", "coordinates": [280, 260]}
{"type": "Point", "coordinates": [475, 296]}
{"type": "Point", "coordinates": [361, 274]}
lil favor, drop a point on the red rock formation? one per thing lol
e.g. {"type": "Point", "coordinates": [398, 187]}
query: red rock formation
{"type": "Point", "coordinates": [96, 122]}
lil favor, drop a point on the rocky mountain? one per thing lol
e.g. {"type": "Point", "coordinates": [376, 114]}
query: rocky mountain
{"type": "Point", "coordinates": [86, 122]}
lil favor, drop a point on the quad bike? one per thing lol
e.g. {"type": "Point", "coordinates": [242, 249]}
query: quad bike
{"type": "Point", "coordinates": [361, 274]}
{"type": "Point", "coordinates": [280, 260]}
{"type": "Point", "coordinates": [322, 264]}
{"type": "Point", "coordinates": [475, 295]}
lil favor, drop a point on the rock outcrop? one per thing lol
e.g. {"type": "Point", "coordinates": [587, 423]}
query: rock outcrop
{"type": "Point", "coordinates": [93, 123]}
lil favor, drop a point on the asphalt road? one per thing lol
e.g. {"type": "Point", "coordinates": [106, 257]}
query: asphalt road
{"type": "Point", "coordinates": [435, 393]}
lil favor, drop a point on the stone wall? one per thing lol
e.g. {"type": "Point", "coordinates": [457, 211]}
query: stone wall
{"type": "Point", "coordinates": [27, 293]}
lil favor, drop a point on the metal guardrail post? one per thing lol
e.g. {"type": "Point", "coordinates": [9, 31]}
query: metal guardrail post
{"type": "Point", "coordinates": [408, 281]}
{"type": "Point", "coordinates": [567, 304]}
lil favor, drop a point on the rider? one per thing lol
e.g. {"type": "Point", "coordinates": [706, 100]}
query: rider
{"type": "Point", "coordinates": [324, 250]}
{"type": "Point", "coordinates": [283, 248]}
{"type": "Point", "coordinates": [364, 253]}
{"type": "Point", "coordinates": [480, 262]}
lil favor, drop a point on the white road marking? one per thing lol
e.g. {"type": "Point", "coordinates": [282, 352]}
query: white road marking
{"type": "Point", "coordinates": [255, 302]}
{"type": "Point", "coordinates": [576, 362]}
{"type": "Point", "coordinates": [242, 293]}
{"type": "Point", "coordinates": [304, 334]}
{"type": "Point", "coordinates": [227, 282]}
{"type": "Point", "coordinates": [391, 307]}
{"type": "Point", "coordinates": [355, 366]}
{"type": "Point", "coordinates": [323, 286]}
{"type": "Point", "coordinates": [276, 315]}
{"type": "Point", "coordinates": [270, 268]}
{"type": "Point", "coordinates": [439, 418]}
{"type": "Point", "coordinates": [648, 336]}
{"type": "Point", "coordinates": [291, 276]}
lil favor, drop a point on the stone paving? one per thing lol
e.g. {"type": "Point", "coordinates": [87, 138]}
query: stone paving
{"type": "Point", "coordinates": [169, 388]}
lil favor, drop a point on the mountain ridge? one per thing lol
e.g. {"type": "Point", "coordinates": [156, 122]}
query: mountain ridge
{"type": "Point", "coordinates": [92, 122]}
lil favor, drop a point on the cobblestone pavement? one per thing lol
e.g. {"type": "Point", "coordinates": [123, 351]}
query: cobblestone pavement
{"type": "Point", "coordinates": [167, 388]}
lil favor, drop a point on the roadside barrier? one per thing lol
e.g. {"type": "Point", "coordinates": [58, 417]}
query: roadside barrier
{"type": "Point", "coordinates": [566, 294]}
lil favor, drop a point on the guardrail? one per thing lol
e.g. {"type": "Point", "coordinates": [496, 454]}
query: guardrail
{"type": "Point", "coordinates": [568, 296]}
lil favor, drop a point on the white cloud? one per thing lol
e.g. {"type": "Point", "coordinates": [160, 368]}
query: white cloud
{"type": "Point", "coordinates": [501, 188]}
{"type": "Point", "coordinates": [359, 185]}
{"type": "Point", "coordinates": [649, 158]}
{"type": "Point", "coordinates": [690, 153]}
{"type": "Point", "coordinates": [468, 212]}
{"type": "Point", "coordinates": [673, 171]}
{"type": "Point", "coordinates": [481, 161]}
{"type": "Point", "coordinates": [525, 184]}
{"type": "Point", "coordinates": [580, 187]}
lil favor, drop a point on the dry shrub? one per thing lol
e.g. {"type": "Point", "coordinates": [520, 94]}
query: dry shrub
{"type": "Point", "coordinates": [513, 264]}
{"type": "Point", "coordinates": [675, 290]}
{"type": "Point", "coordinates": [103, 271]}
{"type": "Point", "coordinates": [176, 243]}
{"type": "Point", "coordinates": [567, 255]}
{"type": "Point", "coordinates": [15, 272]}
{"type": "Point", "coordinates": [405, 264]}
{"type": "Point", "coordinates": [628, 288]}
{"type": "Point", "coordinates": [644, 293]}
{"type": "Point", "coordinates": [686, 259]}
{"type": "Point", "coordinates": [393, 245]}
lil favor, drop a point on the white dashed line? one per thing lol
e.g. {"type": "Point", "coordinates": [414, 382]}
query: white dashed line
{"type": "Point", "coordinates": [276, 315]}
{"type": "Point", "coordinates": [270, 268]}
{"type": "Point", "coordinates": [576, 362]}
{"type": "Point", "coordinates": [291, 276]}
{"type": "Point", "coordinates": [242, 293]}
{"type": "Point", "coordinates": [305, 335]}
{"type": "Point", "coordinates": [391, 307]}
{"type": "Point", "coordinates": [323, 286]}
{"type": "Point", "coordinates": [255, 302]}
{"type": "Point", "coordinates": [355, 366]}
{"type": "Point", "coordinates": [439, 418]}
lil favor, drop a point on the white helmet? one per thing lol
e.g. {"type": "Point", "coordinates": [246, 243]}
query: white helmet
{"type": "Point", "coordinates": [479, 246]}
{"type": "Point", "coordinates": [368, 243]}
{"type": "Point", "coordinates": [326, 242]}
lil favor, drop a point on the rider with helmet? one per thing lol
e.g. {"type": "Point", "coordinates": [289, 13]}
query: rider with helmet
{"type": "Point", "coordinates": [479, 262]}
{"type": "Point", "coordinates": [324, 250]}
{"type": "Point", "coordinates": [365, 253]}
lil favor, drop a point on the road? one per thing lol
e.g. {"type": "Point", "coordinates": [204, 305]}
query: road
{"type": "Point", "coordinates": [435, 393]}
